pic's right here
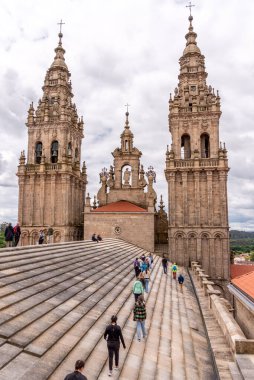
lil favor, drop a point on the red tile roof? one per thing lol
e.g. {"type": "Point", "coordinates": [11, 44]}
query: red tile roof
{"type": "Point", "coordinates": [240, 269]}
{"type": "Point", "coordinates": [245, 283]}
{"type": "Point", "coordinates": [120, 206]}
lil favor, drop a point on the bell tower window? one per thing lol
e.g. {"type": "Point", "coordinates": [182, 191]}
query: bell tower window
{"type": "Point", "coordinates": [38, 152]}
{"type": "Point", "coordinates": [54, 152]}
{"type": "Point", "coordinates": [205, 145]}
{"type": "Point", "coordinates": [76, 154]}
{"type": "Point", "coordinates": [126, 144]}
{"type": "Point", "coordinates": [69, 149]}
{"type": "Point", "coordinates": [185, 147]}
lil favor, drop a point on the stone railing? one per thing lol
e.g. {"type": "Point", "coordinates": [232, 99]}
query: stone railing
{"type": "Point", "coordinates": [239, 344]}
{"type": "Point", "coordinates": [53, 166]}
{"type": "Point", "coordinates": [203, 162]}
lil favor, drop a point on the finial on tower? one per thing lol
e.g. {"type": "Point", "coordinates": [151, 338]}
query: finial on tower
{"type": "Point", "coordinates": [127, 115]}
{"type": "Point", "coordinates": [190, 6]}
{"type": "Point", "coordinates": [60, 34]}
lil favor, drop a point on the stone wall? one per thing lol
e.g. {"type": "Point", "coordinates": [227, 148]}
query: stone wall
{"type": "Point", "coordinates": [245, 318]}
{"type": "Point", "coordinates": [136, 228]}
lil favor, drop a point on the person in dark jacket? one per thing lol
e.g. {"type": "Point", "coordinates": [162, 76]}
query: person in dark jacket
{"type": "Point", "coordinates": [181, 281]}
{"type": "Point", "coordinates": [9, 235]}
{"type": "Point", "coordinates": [77, 374]}
{"type": "Point", "coordinates": [113, 334]}
{"type": "Point", "coordinates": [164, 262]}
{"type": "Point", "coordinates": [94, 238]}
{"type": "Point", "coordinates": [17, 233]}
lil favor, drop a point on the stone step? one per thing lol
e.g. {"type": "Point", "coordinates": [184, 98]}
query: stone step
{"type": "Point", "coordinates": [191, 366]}
{"type": "Point", "coordinates": [7, 353]}
{"type": "Point", "coordinates": [62, 326]}
{"type": "Point", "coordinates": [133, 359]}
{"type": "Point", "coordinates": [93, 346]}
{"type": "Point", "coordinates": [129, 329]}
{"type": "Point", "coordinates": [37, 311]}
{"type": "Point", "coordinates": [163, 371]}
{"type": "Point", "coordinates": [197, 333]}
{"type": "Point", "coordinates": [44, 255]}
{"type": "Point", "coordinates": [178, 359]}
{"type": "Point", "coordinates": [34, 270]}
{"type": "Point", "coordinates": [150, 357]}
{"type": "Point", "coordinates": [56, 354]}
{"type": "Point", "coordinates": [76, 262]}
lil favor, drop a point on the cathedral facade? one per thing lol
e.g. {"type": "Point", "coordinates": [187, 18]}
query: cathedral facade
{"type": "Point", "coordinates": [196, 169]}
{"type": "Point", "coordinates": [51, 184]}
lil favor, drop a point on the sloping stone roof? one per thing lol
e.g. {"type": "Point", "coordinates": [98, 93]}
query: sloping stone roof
{"type": "Point", "coordinates": [56, 300]}
{"type": "Point", "coordinates": [120, 206]}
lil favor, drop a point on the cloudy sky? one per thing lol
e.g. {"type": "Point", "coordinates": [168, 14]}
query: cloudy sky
{"type": "Point", "coordinates": [122, 51]}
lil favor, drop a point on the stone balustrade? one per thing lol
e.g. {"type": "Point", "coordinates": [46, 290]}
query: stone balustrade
{"type": "Point", "coordinates": [232, 331]}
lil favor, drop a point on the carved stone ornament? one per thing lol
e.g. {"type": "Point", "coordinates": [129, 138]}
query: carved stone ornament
{"type": "Point", "coordinates": [117, 230]}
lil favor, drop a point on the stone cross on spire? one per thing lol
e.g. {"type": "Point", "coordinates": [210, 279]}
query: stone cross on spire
{"type": "Point", "coordinates": [61, 23]}
{"type": "Point", "coordinates": [190, 6]}
{"type": "Point", "coordinates": [127, 106]}
{"type": "Point", "coordinates": [60, 34]}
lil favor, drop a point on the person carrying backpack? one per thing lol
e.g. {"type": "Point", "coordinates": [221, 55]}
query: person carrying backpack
{"type": "Point", "coordinates": [181, 281]}
{"type": "Point", "coordinates": [137, 289]}
{"type": "Point", "coordinates": [174, 269]}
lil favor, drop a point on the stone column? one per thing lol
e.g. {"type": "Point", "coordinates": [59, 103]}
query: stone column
{"type": "Point", "coordinates": [209, 175]}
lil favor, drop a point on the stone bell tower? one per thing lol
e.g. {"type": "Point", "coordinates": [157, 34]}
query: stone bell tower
{"type": "Point", "coordinates": [196, 169]}
{"type": "Point", "coordinates": [125, 209]}
{"type": "Point", "coordinates": [51, 185]}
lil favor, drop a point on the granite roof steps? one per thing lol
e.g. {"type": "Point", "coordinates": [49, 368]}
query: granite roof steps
{"type": "Point", "coordinates": [56, 300]}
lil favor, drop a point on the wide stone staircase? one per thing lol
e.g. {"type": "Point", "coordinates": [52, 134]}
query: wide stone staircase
{"type": "Point", "coordinates": [56, 300]}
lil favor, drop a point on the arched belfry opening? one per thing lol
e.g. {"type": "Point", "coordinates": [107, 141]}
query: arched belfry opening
{"type": "Point", "coordinates": [185, 146]}
{"type": "Point", "coordinates": [205, 145]}
{"type": "Point", "coordinates": [38, 152]}
{"type": "Point", "coordinates": [54, 152]}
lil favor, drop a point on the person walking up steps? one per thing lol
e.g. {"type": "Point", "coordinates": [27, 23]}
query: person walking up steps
{"type": "Point", "coordinates": [174, 269]}
{"type": "Point", "coordinates": [140, 316]}
{"type": "Point", "coordinates": [77, 374]}
{"type": "Point", "coordinates": [181, 281]}
{"type": "Point", "coordinates": [137, 288]}
{"type": "Point", "coordinates": [164, 263]}
{"type": "Point", "coordinates": [113, 334]}
{"type": "Point", "coordinates": [136, 267]}
{"type": "Point", "coordinates": [146, 275]}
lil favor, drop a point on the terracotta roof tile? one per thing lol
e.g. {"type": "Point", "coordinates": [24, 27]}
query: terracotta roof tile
{"type": "Point", "coordinates": [120, 206]}
{"type": "Point", "coordinates": [240, 269]}
{"type": "Point", "coordinates": [245, 283]}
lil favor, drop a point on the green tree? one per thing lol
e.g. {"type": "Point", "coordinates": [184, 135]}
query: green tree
{"type": "Point", "coordinates": [252, 256]}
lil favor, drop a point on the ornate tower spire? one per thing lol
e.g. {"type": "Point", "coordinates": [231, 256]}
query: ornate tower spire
{"type": "Point", "coordinates": [55, 135]}
{"type": "Point", "coordinates": [127, 136]}
{"type": "Point", "coordinates": [196, 168]}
